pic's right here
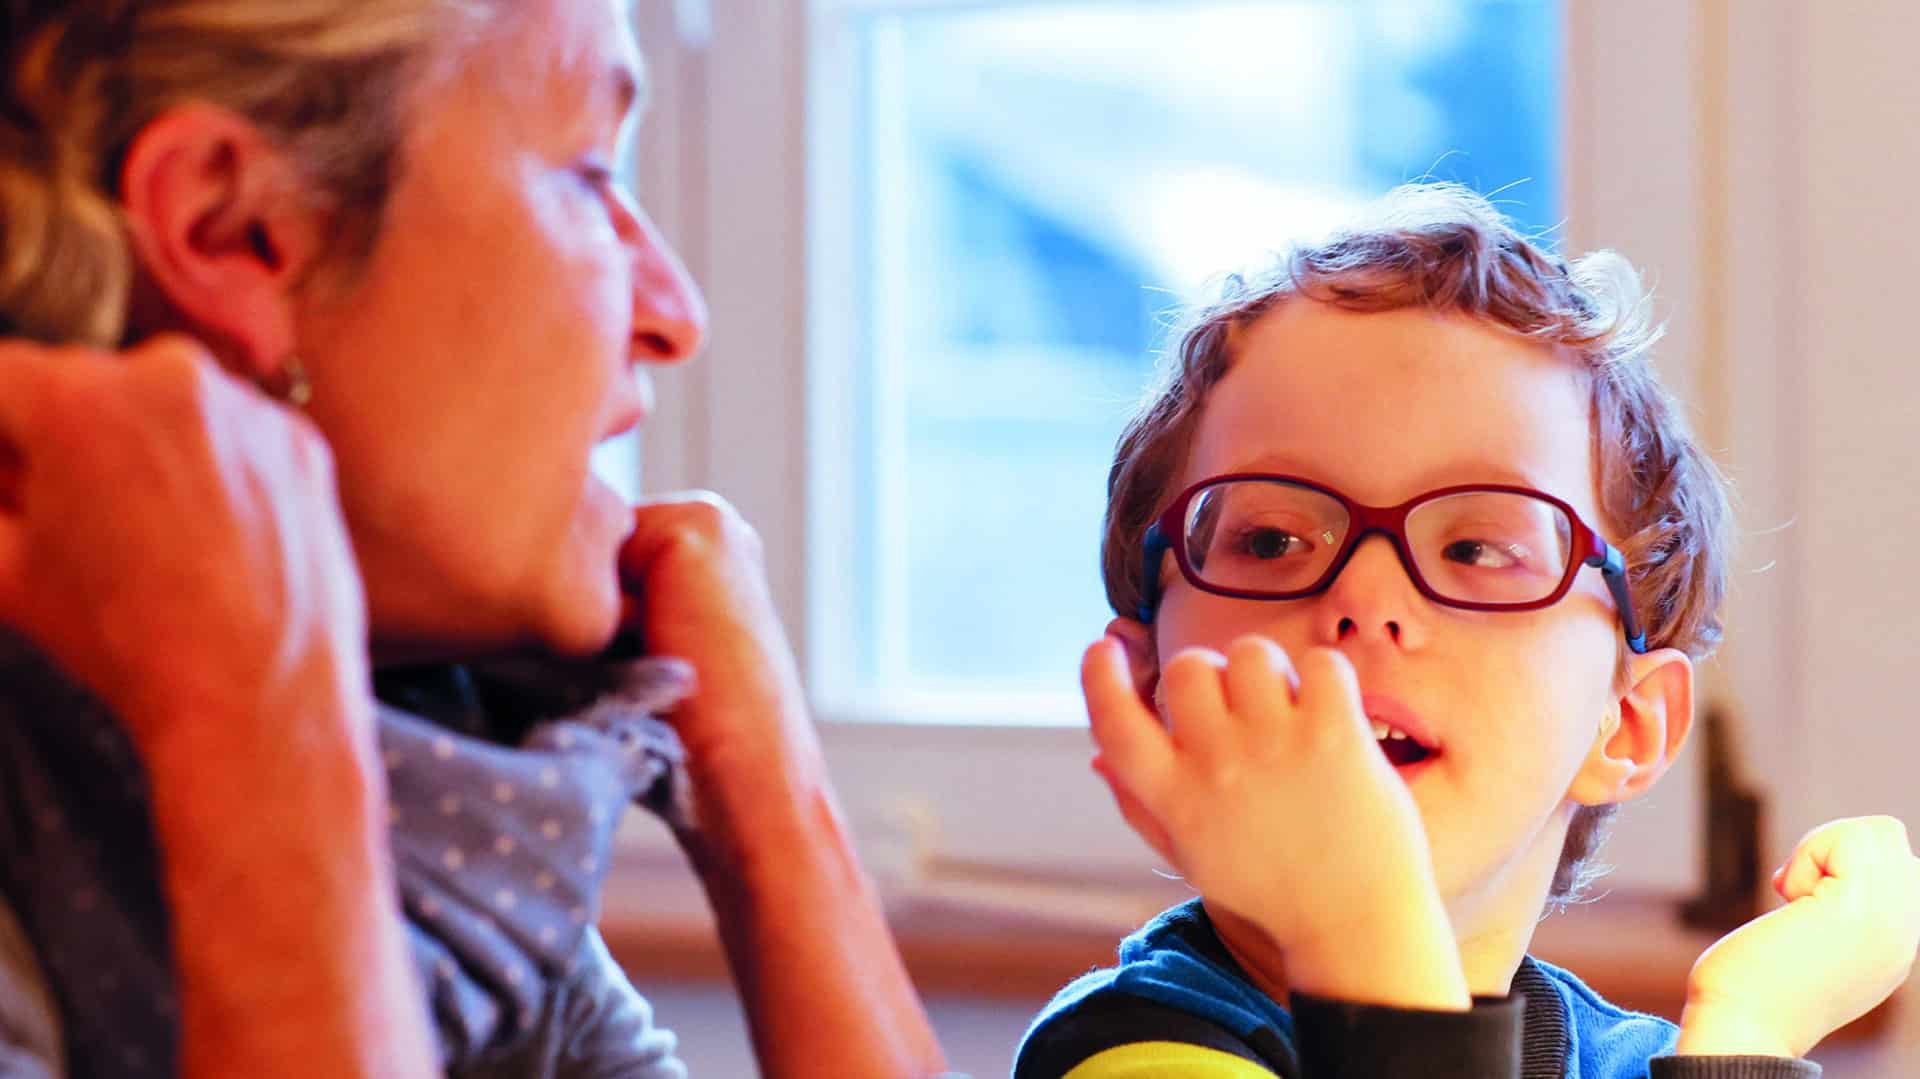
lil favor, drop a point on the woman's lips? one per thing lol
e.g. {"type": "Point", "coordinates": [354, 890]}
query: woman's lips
{"type": "Point", "coordinates": [635, 406]}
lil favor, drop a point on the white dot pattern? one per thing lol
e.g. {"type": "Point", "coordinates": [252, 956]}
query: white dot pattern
{"type": "Point", "coordinates": [497, 851]}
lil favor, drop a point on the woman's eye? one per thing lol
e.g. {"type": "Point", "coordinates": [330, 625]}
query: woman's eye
{"type": "Point", "coordinates": [1483, 554]}
{"type": "Point", "coordinates": [599, 177]}
{"type": "Point", "coordinates": [1269, 542]}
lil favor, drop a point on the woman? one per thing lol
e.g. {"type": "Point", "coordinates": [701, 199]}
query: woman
{"type": "Point", "coordinates": [399, 219]}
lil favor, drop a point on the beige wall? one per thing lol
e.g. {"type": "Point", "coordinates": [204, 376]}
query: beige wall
{"type": "Point", "coordinates": [1859, 488]}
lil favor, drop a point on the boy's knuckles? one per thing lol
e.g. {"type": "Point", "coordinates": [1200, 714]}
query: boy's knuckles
{"type": "Point", "coordinates": [1891, 830]}
{"type": "Point", "coordinates": [1191, 667]}
{"type": "Point", "coordinates": [1328, 667]}
{"type": "Point", "coordinates": [1253, 651]}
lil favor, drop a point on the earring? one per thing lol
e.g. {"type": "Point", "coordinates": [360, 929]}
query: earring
{"type": "Point", "coordinates": [294, 387]}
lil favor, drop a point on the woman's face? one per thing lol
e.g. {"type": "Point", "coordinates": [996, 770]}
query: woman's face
{"type": "Point", "coordinates": [465, 374]}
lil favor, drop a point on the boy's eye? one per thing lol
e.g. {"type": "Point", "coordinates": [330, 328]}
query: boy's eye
{"type": "Point", "coordinates": [1483, 554]}
{"type": "Point", "coordinates": [1269, 542]}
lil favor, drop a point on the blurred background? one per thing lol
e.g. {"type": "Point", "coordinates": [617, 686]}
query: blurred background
{"type": "Point", "coordinates": [941, 239]}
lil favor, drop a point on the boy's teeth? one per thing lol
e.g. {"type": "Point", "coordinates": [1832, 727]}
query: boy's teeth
{"type": "Point", "coordinates": [1380, 730]}
{"type": "Point", "coordinates": [1398, 736]}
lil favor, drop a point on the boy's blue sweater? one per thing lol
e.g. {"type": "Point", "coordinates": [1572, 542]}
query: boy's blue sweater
{"type": "Point", "coordinates": [1175, 981]}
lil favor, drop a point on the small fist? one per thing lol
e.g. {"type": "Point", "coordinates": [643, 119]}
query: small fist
{"type": "Point", "coordinates": [1843, 943]}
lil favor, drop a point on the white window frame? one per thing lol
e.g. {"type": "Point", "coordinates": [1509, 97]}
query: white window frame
{"type": "Point", "coordinates": [726, 171]}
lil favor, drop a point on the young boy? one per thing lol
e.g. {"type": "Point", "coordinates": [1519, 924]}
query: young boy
{"type": "Point", "coordinates": [1413, 557]}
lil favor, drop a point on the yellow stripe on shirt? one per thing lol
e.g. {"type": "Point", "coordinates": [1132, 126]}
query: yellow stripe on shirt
{"type": "Point", "coordinates": [1153, 1060]}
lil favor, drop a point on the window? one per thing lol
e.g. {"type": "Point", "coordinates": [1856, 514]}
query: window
{"type": "Point", "coordinates": [1031, 189]}
{"type": "Point", "coordinates": [937, 237]}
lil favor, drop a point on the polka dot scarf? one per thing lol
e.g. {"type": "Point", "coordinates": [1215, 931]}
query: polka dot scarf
{"type": "Point", "coordinates": [505, 788]}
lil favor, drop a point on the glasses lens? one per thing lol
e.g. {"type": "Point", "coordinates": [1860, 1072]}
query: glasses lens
{"type": "Point", "coordinates": [1491, 546]}
{"type": "Point", "coordinates": [1262, 535]}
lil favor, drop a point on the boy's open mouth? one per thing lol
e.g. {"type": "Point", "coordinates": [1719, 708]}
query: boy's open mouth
{"type": "Point", "coordinates": [1398, 745]}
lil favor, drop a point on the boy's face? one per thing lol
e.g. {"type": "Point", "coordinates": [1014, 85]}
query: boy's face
{"type": "Point", "coordinates": [1385, 407]}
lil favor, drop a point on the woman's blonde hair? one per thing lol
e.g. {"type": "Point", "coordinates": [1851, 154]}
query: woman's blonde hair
{"type": "Point", "coordinates": [1446, 249]}
{"type": "Point", "coordinates": [328, 80]}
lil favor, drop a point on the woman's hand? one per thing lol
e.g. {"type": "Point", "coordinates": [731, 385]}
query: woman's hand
{"type": "Point", "coordinates": [1266, 790]}
{"type": "Point", "coordinates": [825, 990]}
{"type": "Point", "coordinates": [171, 537]}
{"type": "Point", "coordinates": [1843, 943]}
{"type": "Point", "coordinates": [697, 590]}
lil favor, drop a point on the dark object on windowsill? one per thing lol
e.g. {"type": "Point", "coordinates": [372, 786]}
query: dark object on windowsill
{"type": "Point", "coordinates": [1730, 841]}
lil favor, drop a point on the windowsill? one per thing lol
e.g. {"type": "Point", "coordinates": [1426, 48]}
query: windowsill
{"type": "Point", "coordinates": [1629, 949]}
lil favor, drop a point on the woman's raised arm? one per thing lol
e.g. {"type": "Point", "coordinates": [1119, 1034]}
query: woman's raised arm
{"type": "Point", "coordinates": [169, 537]}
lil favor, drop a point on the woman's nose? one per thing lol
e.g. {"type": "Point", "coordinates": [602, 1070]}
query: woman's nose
{"type": "Point", "coordinates": [669, 313]}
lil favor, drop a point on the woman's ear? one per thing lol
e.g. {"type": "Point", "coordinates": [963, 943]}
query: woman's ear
{"type": "Point", "coordinates": [1643, 731]}
{"type": "Point", "coordinates": [223, 228]}
{"type": "Point", "coordinates": [1143, 659]}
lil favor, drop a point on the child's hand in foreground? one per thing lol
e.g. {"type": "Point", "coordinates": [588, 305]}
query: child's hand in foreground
{"type": "Point", "coordinates": [1842, 944]}
{"type": "Point", "coordinates": [1269, 794]}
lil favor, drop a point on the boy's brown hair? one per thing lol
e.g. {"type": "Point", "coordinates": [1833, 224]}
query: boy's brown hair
{"type": "Point", "coordinates": [1446, 249]}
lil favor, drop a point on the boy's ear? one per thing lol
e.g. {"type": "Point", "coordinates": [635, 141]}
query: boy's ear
{"type": "Point", "coordinates": [1143, 659]}
{"type": "Point", "coordinates": [1642, 732]}
{"type": "Point", "coordinates": [223, 227]}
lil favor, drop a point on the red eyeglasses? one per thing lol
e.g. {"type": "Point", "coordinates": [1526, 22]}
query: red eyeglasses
{"type": "Point", "coordinates": [1479, 547]}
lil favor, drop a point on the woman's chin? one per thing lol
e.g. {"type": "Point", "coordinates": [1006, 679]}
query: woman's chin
{"type": "Point", "coordinates": [582, 621]}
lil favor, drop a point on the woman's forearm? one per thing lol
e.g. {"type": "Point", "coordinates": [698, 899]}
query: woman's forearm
{"type": "Point", "coordinates": [824, 987]}
{"type": "Point", "coordinates": [286, 932]}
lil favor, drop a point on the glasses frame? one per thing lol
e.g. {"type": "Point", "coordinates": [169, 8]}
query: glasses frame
{"type": "Point", "coordinates": [1589, 549]}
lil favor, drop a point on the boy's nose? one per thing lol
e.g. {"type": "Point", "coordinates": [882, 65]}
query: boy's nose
{"type": "Point", "coordinates": [1372, 601]}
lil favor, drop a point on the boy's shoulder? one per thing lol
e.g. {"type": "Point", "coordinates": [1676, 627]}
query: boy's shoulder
{"type": "Point", "coordinates": [1602, 1039]}
{"type": "Point", "coordinates": [1173, 985]}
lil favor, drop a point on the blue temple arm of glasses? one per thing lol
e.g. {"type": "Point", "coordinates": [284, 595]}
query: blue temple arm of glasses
{"type": "Point", "coordinates": [1613, 566]}
{"type": "Point", "coordinates": [1151, 553]}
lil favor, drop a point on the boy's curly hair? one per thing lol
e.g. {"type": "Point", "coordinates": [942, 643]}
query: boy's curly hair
{"type": "Point", "coordinates": [1444, 248]}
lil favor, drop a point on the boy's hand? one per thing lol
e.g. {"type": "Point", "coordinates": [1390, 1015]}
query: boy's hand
{"type": "Point", "coordinates": [1842, 944]}
{"type": "Point", "coordinates": [1276, 804]}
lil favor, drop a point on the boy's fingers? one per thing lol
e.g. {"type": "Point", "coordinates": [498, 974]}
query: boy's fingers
{"type": "Point", "coordinates": [1134, 811]}
{"type": "Point", "coordinates": [1853, 845]}
{"type": "Point", "coordinates": [1133, 746]}
{"type": "Point", "coordinates": [1137, 639]}
{"type": "Point", "coordinates": [1260, 682]}
{"type": "Point", "coordinates": [1803, 873]}
{"type": "Point", "coordinates": [1330, 691]}
{"type": "Point", "coordinates": [1193, 689]}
